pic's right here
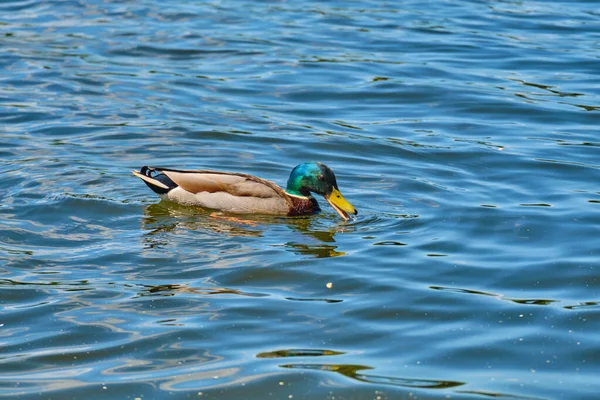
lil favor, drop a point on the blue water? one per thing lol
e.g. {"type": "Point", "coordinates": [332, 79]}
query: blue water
{"type": "Point", "coordinates": [464, 132]}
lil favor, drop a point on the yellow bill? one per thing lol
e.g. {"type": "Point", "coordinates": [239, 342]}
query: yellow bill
{"type": "Point", "coordinates": [340, 204]}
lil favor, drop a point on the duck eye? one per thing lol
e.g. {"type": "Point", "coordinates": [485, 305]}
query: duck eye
{"type": "Point", "coordinates": [321, 178]}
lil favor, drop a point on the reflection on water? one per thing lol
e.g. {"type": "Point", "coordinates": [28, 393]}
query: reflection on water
{"type": "Point", "coordinates": [317, 251]}
{"type": "Point", "coordinates": [486, 394]}
{"type": "Point", "coordinates": [315, 299]}
{"type": "Point", "coordinates": [299, 353]}
{"type": "Point", "coordinates": [353, 372]}
{"type": "Point", "coordinates": [536, 302]}
{"type": "Point", "coordinates": [173, 289]}
{"type": "Point", "coordinates": [583, 305]}
{"type": "Point", "coordinates": [464, 132]}
{"type": "Point", "coordinates": [165, 217]}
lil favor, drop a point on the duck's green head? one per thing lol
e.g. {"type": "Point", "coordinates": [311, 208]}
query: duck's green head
{"type": "Point", "coordinates": [320, 179]}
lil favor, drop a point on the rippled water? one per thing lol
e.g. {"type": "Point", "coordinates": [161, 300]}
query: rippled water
{"type": "Point", "coordinates": [464, 132]}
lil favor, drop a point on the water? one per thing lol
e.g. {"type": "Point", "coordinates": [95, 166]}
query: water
{"type": "Point", "coordinates": [464, 132]}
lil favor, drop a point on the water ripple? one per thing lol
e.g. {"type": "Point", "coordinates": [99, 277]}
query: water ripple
{"type": "Point", "coordinates": [463, 132]}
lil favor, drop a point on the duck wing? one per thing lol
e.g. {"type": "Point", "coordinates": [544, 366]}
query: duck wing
{"type": "Point", "coordinates": [163, 180]}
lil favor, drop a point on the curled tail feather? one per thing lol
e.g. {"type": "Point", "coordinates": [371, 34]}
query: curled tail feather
{"type": "Point", "coordinates": [159, 183]}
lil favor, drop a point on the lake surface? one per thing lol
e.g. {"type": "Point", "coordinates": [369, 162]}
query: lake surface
{"type": "Point", "coordinates": [464, 132]}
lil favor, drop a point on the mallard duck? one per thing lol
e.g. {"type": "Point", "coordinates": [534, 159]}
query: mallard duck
{"type": "Point", "coordinates": [247, 194]}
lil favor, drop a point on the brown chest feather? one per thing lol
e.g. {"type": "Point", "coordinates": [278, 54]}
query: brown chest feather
{"type": "Point", "coordinates": [303, 206]}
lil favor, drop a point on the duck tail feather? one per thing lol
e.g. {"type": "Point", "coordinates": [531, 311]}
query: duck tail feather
{"type": "Point", "coordinates": [160, 183]}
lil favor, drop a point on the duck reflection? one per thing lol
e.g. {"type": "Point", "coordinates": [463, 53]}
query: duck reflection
{"type": "Point", "coordinates": [317, 251]}
{"type": "Point", "coordinates": [173, 289]}
{"type": "Point", "coordinates": [315, 229]}
{"type": "Point", "coordinates": [165, 217]}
